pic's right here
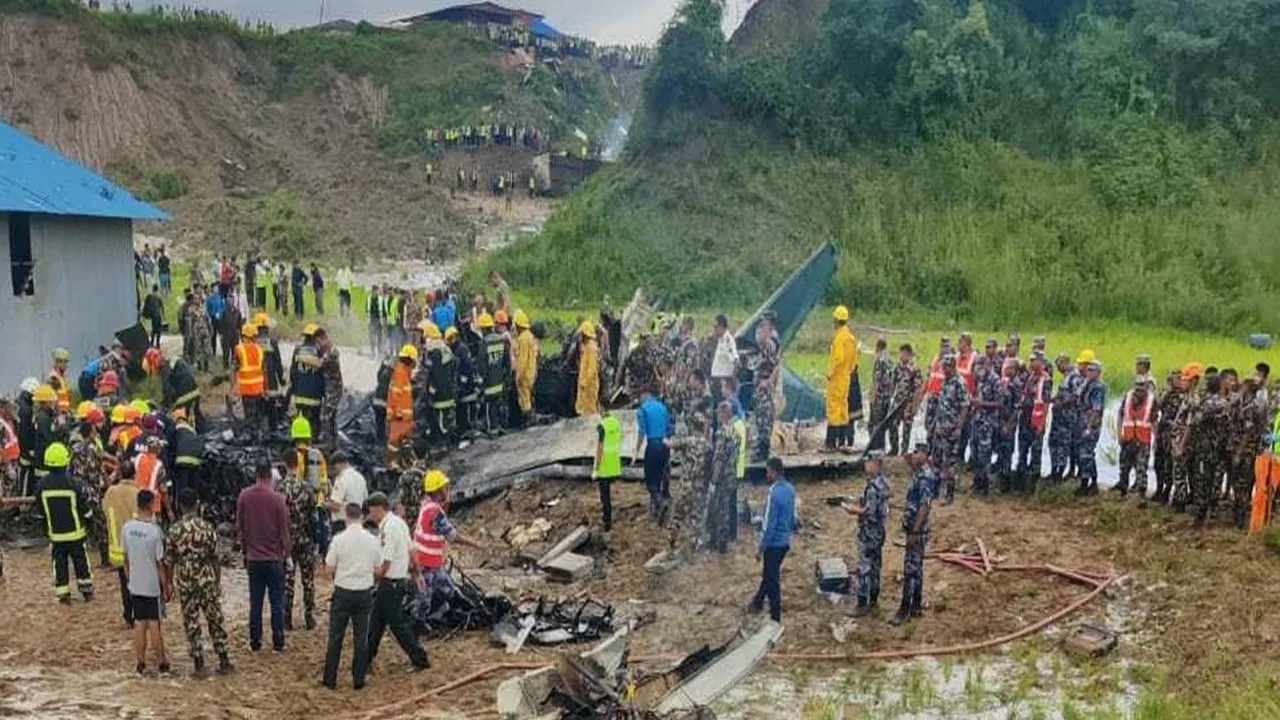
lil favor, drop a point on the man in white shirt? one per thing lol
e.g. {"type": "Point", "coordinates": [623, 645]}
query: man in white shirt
{"type": "Point", "coordinates": [349, 488]}
{"type": "Point", "coordinates": [353, 557]}
{"type": "Point", "coordinates": [393, 583]}
{"type": "Point", "coordinates": [724, 363]}
{"type": "Point", "coordinates": [346, 279]}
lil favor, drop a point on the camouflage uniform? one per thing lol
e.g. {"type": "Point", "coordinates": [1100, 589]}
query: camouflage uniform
{"type": "Point", "coordinates": [986, 423]}
{"type": "Point", "coordinates": [723, 478]}
{"type": "Point", "coordinates": [881, 394]}
{"type": "Point", "coordinates": [409, 494]}
{"type": "Point", "coordinates": [768, 360]}
{"type": "Point", "coordinates": [1248, 425]}
{"type": "Point", "coordinates": [1006, 430]}
{"type": "Point", "coordinates": [1209, 424]}
{"type": "Point", "coordinates": [871, 535]}
{"type": "Point", "coordinates": [690, 493]}
{"type": "Point", "coordinates": [301, 500]}
{"type": "Point", "coordinates": [1134, 457]}
{"type": "Point", "coordinates": [920, 494]}
{"type": "Point", "coordinates": [1170, 406]}
{"type": "Point", "coordinates": [192, 547]}
{"type": "Point", "coordinates": [88, 468]}
{"type": "Point", "coordinates": [331, 370]}
{"type": "Point", "coordinates": [1186, 461]}
{"type": "Point", "coordinates": [1093, 398]}
{"type": "Point", "coordinates": [906, 382]}
{"type": "Point", "coordinates": [1065, 424]}
{"type": "Point", "coordinates": [199, 340]}
{"type": "Point", "coordinates": [641, 368]}
{"type": "Point", "coordinates": [1030, 442]}
{"type": "Point", "coordinates": [945, 440]}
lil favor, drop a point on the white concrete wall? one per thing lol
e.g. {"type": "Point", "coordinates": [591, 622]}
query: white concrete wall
{"type": "Point", "coordinates": [84, 293]}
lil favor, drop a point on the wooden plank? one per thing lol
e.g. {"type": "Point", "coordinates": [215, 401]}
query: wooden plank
{"type": "Point", "coordinates": [570, 542]}
{"type": "Point", "coordinates": [726, 671]}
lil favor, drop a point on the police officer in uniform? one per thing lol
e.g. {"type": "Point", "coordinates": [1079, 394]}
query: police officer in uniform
{"type": "Point", "coordinates": [915, 523]}
{"type": "Point", "coordinates": [872, 514]}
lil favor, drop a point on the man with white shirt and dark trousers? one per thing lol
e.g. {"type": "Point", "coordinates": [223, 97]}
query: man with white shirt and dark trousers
{"type": "Point", "coordinates": [353, 557]}
{"type": "Point", "coordinates": [724, 360]}
{"type": "Point", "coordinates": [393, 581]}
{"type": "Point", "coordinates": [349, 488]}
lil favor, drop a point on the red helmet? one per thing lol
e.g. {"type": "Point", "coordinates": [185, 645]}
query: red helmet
{"type": "Point", "coordinates": [96, 416]}
{"type": "Point", "coordinates": [152, 360]}
{"type": "Point", "coordinates": [109, 381]}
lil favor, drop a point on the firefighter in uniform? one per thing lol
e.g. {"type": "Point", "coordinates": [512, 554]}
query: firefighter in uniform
{"type": "Point", "coordinates": [182, 393]}
{"type": "Point", "coordinates": [66, 514]}
{"type": "Point", "coordinates": [274, 395]}
{"type": "Point", "coordinates": [58, 379]}
{"type": "Point", "coordinates": [188, 452]}
{"type": "Point", "coordinates": [313, 470]}
{"type": "Point", "coordinates": [250, 376]}
{"type": "Point", "coordinates": [400, 404]}
{"type": "Point", "coordinates": [305, 382]}
{"type": "Point", "coordinates": [442, 387]}
{"type": "Point", "coordinates": [495, 368]}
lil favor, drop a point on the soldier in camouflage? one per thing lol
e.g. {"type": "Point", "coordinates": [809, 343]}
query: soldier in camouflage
{"type": "Point", "coordinates": [408, 495]}
{"type": "Point", "coordinates": [1093, 399]}
{"type": "Point", "coordinates": [881, 392]}
{"type": "Point", "coordinates": [1169, 406]}
{"type": "Point", "coordinates": [946, 432]}
{"type": "Point", "coordinates": [191, 549]}
{"type": "Point", "coordinates": [907, 382]}
{"type": "Point", "coordinates": [1007, 421]}
{"type": "Point", "coordinates": [1249, 425]}
{"type": "Point", "coordinates": [301, 500]}
{"type": "Point", "coordinates": [987, 410]}
{"type": "Point", "coordinates": [1202, 445]}
{"type": "Point", "coordinates": [89, 467]}
{"type": "Point", "coordinates": [768, 361]}
{"type": "Point", "coordinates": [1062, 430]}
{"type": "Point", "coordinates": [641, 366]}
{"type": "Point", "coordinates": [915, 524]}
{"type": "Point", "coordinates": [331, 371]}
{"type": "Point", "coordinates": [1185, 464]}
{"type": "Point", "coordinates": [197, 343]}
{"type": "Point", "coordinates": [873, 515]}
{"type": "Point", "coordinates": [723, 477]}
{"type": "Point", "coordinates": [690, 446]}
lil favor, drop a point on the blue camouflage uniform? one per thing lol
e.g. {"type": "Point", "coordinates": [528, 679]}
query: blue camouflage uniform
{"type": "Point", "coordinates": [986, 423]}
{"type": "Point", "coordinates": [871, 534]}
{"type": "Point", "coordinates": [920, 496]}
{"type": "Point", "coordinates": [1093, 398]}
{"type": "Point", "coordinates": [1065, 424]}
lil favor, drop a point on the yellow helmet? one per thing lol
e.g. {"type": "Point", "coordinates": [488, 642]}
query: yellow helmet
{"type": "Point", "coordinates": [249, 330]}
{"type": "Point", "coordinates": [451, 334]}
{"type": "Point", "coordinates": [1086, 356]}
{"type": "Point", "coordinates": [117, 415]}
{"type": "Point", "coordinates": [522, 319]}
{"type": "Point", "coordinates": [301, 429]}
{"type": "Point", "coordinates": [588, 329]}
{"type": "Point", "coordinates": [310, 329]}
{"type": "Point", "coordinates": [142, 406]}
{"type": "Point", "coordinates": [82, 410]}
{"type": "Point", "coordinates": [61, 355]}
{"type": "Point", "coordinates": [841, 314]}
{"type": "Point", "coordinates": [56, 456]}
{"type": "Point", "coordinates": [434, 481]}
{"type": "Point", "coordinates": [45, 394]}
{"type": "Point", "coordinates": [486, 321]}
{"type": "Point", "coordinates": [410, 352]}
{"type": "Point", "coordinates": [261, 319]}
{"type": "Point", "coordinates": [430, 329]}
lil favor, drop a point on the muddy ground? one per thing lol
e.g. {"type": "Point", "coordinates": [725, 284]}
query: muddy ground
{"type": "Point", "coordinates": [1194, 612]}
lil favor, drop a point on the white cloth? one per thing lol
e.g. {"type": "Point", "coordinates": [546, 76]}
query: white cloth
{"type": "Point", "coordinates": [349, 487]}
{"type": "Point", "coordinates": [353, 554]}
{"type": "Point", "coordinates": [396, 543]}
{"type": "Point", "coordinates": [725, 362]}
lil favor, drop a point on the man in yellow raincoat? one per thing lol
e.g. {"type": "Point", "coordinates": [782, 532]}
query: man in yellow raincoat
{"type": "Point", "coordinates": [842, 373]}
{"type": "Point", "coordinates": [526, 366]}
{"type": "Point", "coordinates": [588, 402]}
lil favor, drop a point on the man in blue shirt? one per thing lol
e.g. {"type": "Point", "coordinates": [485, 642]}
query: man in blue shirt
{"type": "Point", "coordinates": [215, 307]}
{"type": "Point", "coordinates": [444, 314]}
{"type": "Point", "coordinates": [654, 427]}
{"type": "Point", "coordinates": [779, 524]}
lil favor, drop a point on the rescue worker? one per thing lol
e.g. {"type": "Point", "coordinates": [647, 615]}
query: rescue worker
{"type": "Point", "coordinates": [150, 474]}
{"type": "Point", "coordinates": [1185, 465]}
{"type": "Point", "coordinates": [907, 383]}
{"type": "Point", "coordinates": [181, 392]}
{"type": "Point", "coordinates": [314, 471]}
{"type": "Point", "coordinates": [873, 514]}
{"type": "Point", "coordinates": [26, 426]}
{"type": "Point", "coordinates": [119, 505]}
{"type": "Point", "coordinates": [588, 396]}
{"type": "Point", "coordinates": [432, 533]}
{"type": "Point", "coordinates": [442, 386]}
{"type": "Point", "coordinates": [334, 387]}
{"type": "Point", "coordinates": [933, 387]}
{"type": "Point", "coordinates": [468, 384]}
{"type": "Point", "coordinates": [250, 381]}
{"type": "Point", "coordinates": [379, 403]}
{"type": "Point", "coordinates": [842, 369]}
{"type": "Point", "coordinates": [1249, 423]}
{"type": "Point", "coordinates": [725, 451]}
{"type": "Point", "coordinates": [881, 393]}
{"type": "Point", "coordinates": [945, 436]}
{"type": "Point", "coordinates": [607, 466]}
{"type": "Point", "coordinates": [1093, 400]}
{"type": "Point", "coordinates": [275, 402]}
{"type": "Point", "coordinates": [124, 433]}
{"type": "Point", "coordinates": [191, 554]}
{"type": "Point", "coordinates": [1142, 369]}
{"type": "Point", "coordinates": [526, 367]}
{"type": "Point", "coordinates": [10, 452]}
{"type": "Point", "coordinates": [1036, 399]}
{"type": "Point", "coordinates": [58, 379]}
{"type": "Point", "coordinates": [66, 514]}
{"type": "Point", "coordinates": [400, 428]}
{"type": "Point", "coordinates": [495, 368]}
{"type": "Point", "coordinates": [188, 453]}
{"type": "Point", "coordinates": [1062, 433]}
{"type": "Point", "coordinates": [965, 355]}
{"type": "Point", "coordinates": [108, 391]}
{"type": "Point", "coordinates": [88, 466]}
{"type": "Point", "coordinates": [987, 404]}
{"type": "Point", "coordinates": [768, 363]}
{"type": "Point", "coordinates": [1170, 404]}
{"type": "Point", "coordinates": [305, 384]}
{"type": "Point", "coordinates": [48, 426]}
{"type": "Point", "coordinates": [300, 498]}
{"type": "Point", "coordinates": [915, 524]}
{"type": "Point", "coordinates": [1135, 424]}
{"type": "Point", "coordinates": [691, 445]}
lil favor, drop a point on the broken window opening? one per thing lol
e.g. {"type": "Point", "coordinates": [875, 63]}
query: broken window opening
{"type": "Point", "coordinates": [21, 264]}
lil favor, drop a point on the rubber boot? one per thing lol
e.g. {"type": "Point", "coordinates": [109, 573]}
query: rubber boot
{"type": "Point", "coordinates": [904, 612]}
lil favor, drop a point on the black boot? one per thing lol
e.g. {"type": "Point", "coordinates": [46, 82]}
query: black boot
{"type": "Point", "coordinates": [904, 611]}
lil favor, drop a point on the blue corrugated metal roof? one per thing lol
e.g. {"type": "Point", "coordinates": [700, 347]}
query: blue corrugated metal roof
{"type": "Point", "coordinates": [35, 178]}
{"type": "Point", "coordinates": [542, 29]}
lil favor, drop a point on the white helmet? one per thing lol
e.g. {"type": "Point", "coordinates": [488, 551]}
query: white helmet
{"type": "Point", "coordinates": [29, 385]}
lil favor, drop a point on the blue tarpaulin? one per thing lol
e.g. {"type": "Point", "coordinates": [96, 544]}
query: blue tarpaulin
{"type": "Point", "coordinates": [543, 30]}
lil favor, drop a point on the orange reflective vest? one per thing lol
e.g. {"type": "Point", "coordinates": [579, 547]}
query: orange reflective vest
{"type": "Point", "coordinates": [1039, 408]}
{"type": "Point", "coordinates": [964, 366]}
{"type": "Point", "coordinates": [936, 377]}
{"type": "Point", "coordinates": [147, 477]}
{"type": "Point", "coordinates": [250, 376]}
{"type": "Point", "coordinates": [10, 450]}
{"type": "Point", "coordinates": [428, 547]}
{"type": "Point", "coordinates": [400, 404]}
{"type": "Point", "coordinates": [60, 385]}
{"type": "Point", "coordinates": [1136, 423]}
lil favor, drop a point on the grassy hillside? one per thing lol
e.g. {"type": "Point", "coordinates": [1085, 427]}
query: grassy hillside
{"type": "Point", "coordinates": [986, 165]}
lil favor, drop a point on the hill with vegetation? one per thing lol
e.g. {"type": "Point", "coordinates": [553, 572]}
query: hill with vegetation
{"type": "Point", "coordinates": [301, 142]}
{"type": "Point", "coordinates": [998, 162]}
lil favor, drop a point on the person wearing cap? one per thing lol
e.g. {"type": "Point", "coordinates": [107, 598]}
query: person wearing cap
{"type": "Point", "coordinates": [1093, 401]}
{"type": "Point", "coordinates": [493, 367]}
{"type": "Point", "coordinates": [48, 425]}
{"type": "Point", "coordinates": [468, 391]}
{"type": "Point", "coordinates": [1007, 420]}
{"type": "Point", "coordinates": [89, 468]}
{"type": "Point", "coordinates": [58, 378]}
{"type": "Point", "coordinates": [1204, 446]}
{"type": "Point", "coordinates": [1035, 392]}
{"type": "Point", "coordinates": [916, 514]}
{"type": "Point", "coordinates": [306, 386]}
{"type": "Point", "coordinates": [1013, 347]}
{"type": "Point", "coordinates": [107, 390]}
{"type": "Point", "coordinates": [399, 561]}
{"type": "Point", "coordinates": [400, 404]}
{"type": "Point", "coordinates": [721, 499]}
{"type": "Point", "coordinates": [353, 557]}
{"type": "Point", "coordinates": [767, 363]}
{"type": "Point", "coordinates": [349, 487]}
{"type": "Point", "coordinates": [907, 382]}
{"type": "Point", "coordinates": [929, 391]}
{"type": "Point", "coordinates": [1249, 425]}
{"type": "Point", "coordinates": [842, 374]}
{"type": "Point", "coordinates": [1135, 427]}
{"type": "Point", "coordinates": [1184, 463]}
{"type": "Point", "coordinates": [440, 374]}
{"type": "Point", "coordinates": [946, 434]}
{"type": "Point", "coordinates": [988, 404]}
{"type": "Point", "coordinates": [432, 533]}
{"type": "Point", "coordinates": [191, 558]}
{"type": "Point", "coordinates": [300, 497]}
{"type": "Point", "coordinates": [151, 475]}
{"type": "Point", "coordinates": [1142, 369]}
{"type": "Point", "coordinates": [587, 400]}
{"type": "Point", "coordinates": [197, 332]}
{"type": "Point", "coordinates": [873, 515]}
{"type": "Point", "coordinates": [881, 392]}
{"type": "Point", "coordinates": [992, 351]}
{"type": "Point", "coordinates": [1167, 408]}
{"type": "Point", "coordinates": [63, 504]}
{"type": "Point", "coordinates": [781, 522]}
{"type": "Point", "coordinates": [526, 368]}
{"type": "Point", "coordinates": [1065, 419]}
{"type": "Point", "coordinates": [188, 452]}
{"type": "Point", "coordinates": [250, 380]}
